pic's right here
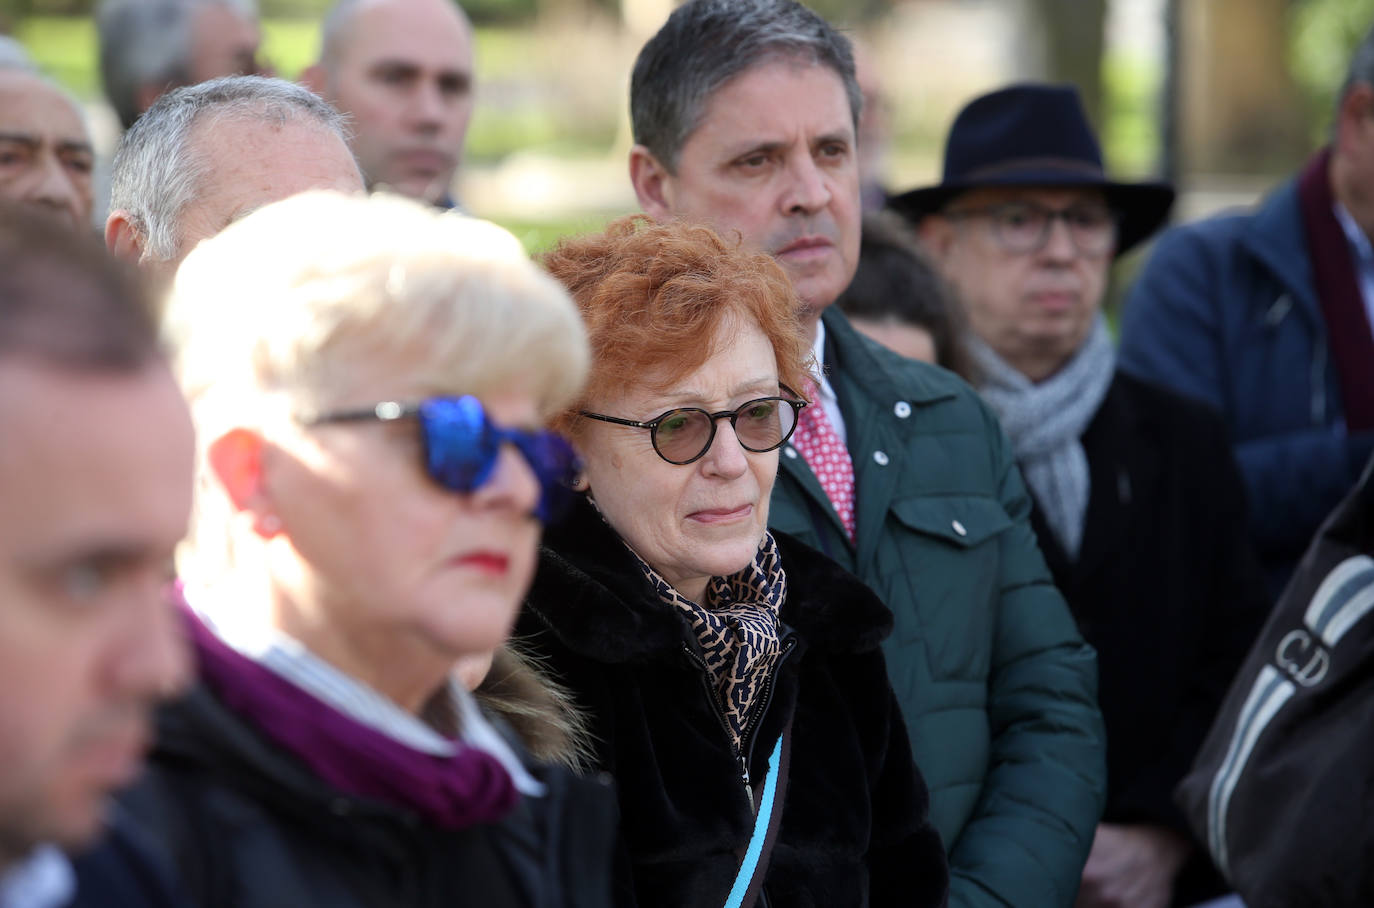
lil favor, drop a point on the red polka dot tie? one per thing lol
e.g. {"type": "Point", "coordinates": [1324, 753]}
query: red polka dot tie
{"type": "Point", "coordinates": [827, 456]}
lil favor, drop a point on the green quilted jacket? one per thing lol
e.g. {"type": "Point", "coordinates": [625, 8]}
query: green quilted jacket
{"type": "Point", "coordinates": [997, 687]}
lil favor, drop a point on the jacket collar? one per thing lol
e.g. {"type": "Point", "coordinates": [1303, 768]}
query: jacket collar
{"type": "Point", "coordinates": [1274, 236]}
{"type": "Point", "coordinates": [596, 600]}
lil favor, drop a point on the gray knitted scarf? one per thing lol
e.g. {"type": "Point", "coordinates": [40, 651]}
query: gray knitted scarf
{"type": "Point", "coordinates": [1045, 422]}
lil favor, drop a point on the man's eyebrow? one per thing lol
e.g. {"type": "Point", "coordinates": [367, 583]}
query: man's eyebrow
{"type": "Point", "coordinates": [395, 63]}
{"type": "Point", "coordinates": [76, 145]}
{"type": "Point", "coordinates": [746, 148]}
{"type": "Point", "coordinates": [22, 138]}
{"type": "Point", "coordinates": [842, 135]}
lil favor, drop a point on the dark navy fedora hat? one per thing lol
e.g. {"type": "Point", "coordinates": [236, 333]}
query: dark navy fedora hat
{"type": "Point", "coordinates": [1035, 135]}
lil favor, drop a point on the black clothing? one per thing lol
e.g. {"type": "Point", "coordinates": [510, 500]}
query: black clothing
{"type": "Point", "coordinates": [248, 824]}
{"type": "Point", "coordinates": [1282, 789]}
{"type": "Point", "coordinates": [1166, 589]}
{"type": "Point", "coordinates": [854, 830]}
{"type": "Point", "coordinates": [124, 870]}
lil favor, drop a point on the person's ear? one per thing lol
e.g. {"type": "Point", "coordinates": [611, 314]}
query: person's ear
{"type": "Point", "coordinates": [236, 460]}
{"type": "Point", "coordinates": [123, 240]}
{"type": "Point", "coordinates": [652, 183]}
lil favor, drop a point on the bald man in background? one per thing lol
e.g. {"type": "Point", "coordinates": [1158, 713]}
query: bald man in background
{"type": "Point", "coordinates": [402, 71]}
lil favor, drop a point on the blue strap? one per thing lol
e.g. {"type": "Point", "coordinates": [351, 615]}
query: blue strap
{"type": "Point", "coordinates": [755, 849]}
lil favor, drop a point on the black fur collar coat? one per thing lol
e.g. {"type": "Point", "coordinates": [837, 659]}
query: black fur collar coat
{"type": "Point", "coordinates": [853, 828]}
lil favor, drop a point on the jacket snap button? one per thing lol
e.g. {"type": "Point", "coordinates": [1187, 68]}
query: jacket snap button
{"type": "Point", "coordinates": [902, 409]}
{"type": "Point", "coordinates": [959, 528]}
{"type": "Point", "coordinates": [340, 807]}
{"type": "Point", "coordinates": [790, 452]}
{"type": "Point", "coordinates": [880, 458]}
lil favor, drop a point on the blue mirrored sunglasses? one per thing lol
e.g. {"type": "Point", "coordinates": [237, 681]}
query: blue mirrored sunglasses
{"type": "Point", "coordinates": [461, 446]}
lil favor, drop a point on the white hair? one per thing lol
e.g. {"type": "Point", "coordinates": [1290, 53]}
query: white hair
{"type": "Point", "coordinates": [156, 170]}
{"type": "Point", "coordinates": [338, 283]}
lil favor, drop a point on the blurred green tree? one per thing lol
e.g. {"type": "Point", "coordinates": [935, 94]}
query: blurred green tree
{"type": "Point", "coordinates": [1323, 34]}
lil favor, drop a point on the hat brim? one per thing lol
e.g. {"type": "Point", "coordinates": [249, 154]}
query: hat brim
{"type": "Point", "coordinates": [1142, 207]}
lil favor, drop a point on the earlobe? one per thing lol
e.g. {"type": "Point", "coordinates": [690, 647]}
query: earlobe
{"type": "Point", "coordinates": [122, 238]}
{"type": "Point", "coordinates": [651, 181]}
{"type": "Point", "coordinates": [236, 460]}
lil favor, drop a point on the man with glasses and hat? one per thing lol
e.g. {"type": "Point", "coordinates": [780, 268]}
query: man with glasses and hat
{"type": "Point", "coordinates": [1139, 507]}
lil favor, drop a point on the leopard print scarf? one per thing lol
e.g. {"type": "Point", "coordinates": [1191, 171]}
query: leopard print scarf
{"type": "Point", "coordinates": [738, 630]}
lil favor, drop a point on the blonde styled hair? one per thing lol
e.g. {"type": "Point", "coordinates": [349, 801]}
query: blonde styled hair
{"type": "Point", "coordinates": [275, 315]}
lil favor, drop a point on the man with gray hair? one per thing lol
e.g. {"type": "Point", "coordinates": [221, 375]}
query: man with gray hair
{"type": "Point", "coordinates": [745, 115]}
{"type": "Point", "coordinates": [150, 46]}
{"type": "Point", "coordinates": [401, 70]}
{"type": "Point", "coordinates": [45, 151]}
{"type": "Point", "coordinates": [205, 155]}
{"type": "Point", "coordinates": [1266, 316]}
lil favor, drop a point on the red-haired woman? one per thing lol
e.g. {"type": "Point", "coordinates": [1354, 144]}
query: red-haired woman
{"type": "Point", "coordinates": [732, 677]}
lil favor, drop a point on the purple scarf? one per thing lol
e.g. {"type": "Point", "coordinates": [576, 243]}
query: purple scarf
{"type": "Point", "coordinates": [1338, 290]}
{"type": "Point", "coordinates": [467, 789]}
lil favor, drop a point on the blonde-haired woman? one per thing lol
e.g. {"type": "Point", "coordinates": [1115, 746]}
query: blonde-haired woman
{"type": "Point", "coordinates": [369, 381]}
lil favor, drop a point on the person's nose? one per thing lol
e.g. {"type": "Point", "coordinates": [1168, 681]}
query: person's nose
{"type": "Point", "coordinates": [512, 483]}
{"type": "Point", "coordinates": [1060, 245]}
{"type": "Point", "coordinates": [427, 105]}
{"type": "Point", "coordinates": [726, 457]}
{"type": "Point", "coordinates": [54, 188]}
{"type": "Point", "coordinates": [808, 189]}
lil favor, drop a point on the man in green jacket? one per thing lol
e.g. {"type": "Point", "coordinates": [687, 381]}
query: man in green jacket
{"type": "Point", "coordinates": [744, 115]}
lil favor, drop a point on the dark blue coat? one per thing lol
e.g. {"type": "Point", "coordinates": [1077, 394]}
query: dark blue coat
{"type": "Point", "coordinates": [124, 870]}
{"type": "Point", "coordinates": [1225, 312]}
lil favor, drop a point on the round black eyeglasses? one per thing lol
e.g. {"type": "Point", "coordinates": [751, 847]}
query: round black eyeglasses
{"type": "Point", "coordinates": [684, 435]}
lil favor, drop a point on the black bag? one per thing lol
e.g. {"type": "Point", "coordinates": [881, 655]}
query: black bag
{"type": "Point", "coordinates": [1282, 792]}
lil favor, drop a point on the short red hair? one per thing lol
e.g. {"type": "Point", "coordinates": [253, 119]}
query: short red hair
{"type": "Point", "coordinates": [654, 295]}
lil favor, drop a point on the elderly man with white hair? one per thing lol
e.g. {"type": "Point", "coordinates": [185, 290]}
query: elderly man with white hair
{"type": "Point", "coordinates": [206, 155]}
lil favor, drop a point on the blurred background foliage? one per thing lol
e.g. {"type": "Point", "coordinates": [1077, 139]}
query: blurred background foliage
{"type": "Point", "coordinates": [1323, 34]}
{"type": "Point", "coordinates": [552, 79]}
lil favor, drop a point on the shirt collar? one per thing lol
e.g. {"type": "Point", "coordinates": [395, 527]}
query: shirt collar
{"type": "Point", "coordinates": [290, 659]}
{"type": "Point", "coordinates": [1359, 242]}
{"type": "Point", "coordinates": [818, 351]}
{"type": "Point", "coordinates": [44, 879]}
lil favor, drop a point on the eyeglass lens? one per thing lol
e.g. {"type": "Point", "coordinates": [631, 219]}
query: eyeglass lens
{"type": "Point", "coordinates": [462, 446]}
{"type": "Point", "coordinates": [1025, 226]}
{"type": "Point", "coordinates": [682, 436]}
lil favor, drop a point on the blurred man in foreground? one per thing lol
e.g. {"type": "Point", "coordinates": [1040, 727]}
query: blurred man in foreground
{"type": "Point", "coordinates": [95, 476]}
